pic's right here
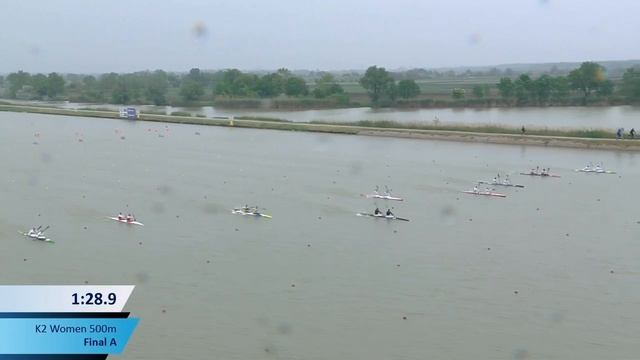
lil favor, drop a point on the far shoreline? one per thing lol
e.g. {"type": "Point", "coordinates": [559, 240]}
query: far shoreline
{"type": "Point", "coordinates": [496, 135]}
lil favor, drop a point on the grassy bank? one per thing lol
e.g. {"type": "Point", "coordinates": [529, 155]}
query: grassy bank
{"type": "Point", "coordinates": [593, 139]}
{"type": "Point", "coordinates": [485, 129]}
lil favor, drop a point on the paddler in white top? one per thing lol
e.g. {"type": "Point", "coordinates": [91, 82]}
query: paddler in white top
{"type": "Point", "coordinates": [506, 180]}
{"type": "Point", "coordinates": [475, 189]}
{"type": "Point", "coordinates": [120, 216]}
{"type": "Point", "coordinates": [129, 218]}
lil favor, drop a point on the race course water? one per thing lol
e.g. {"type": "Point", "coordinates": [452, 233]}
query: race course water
{"type": "Point", "coordinates": [549, 272]}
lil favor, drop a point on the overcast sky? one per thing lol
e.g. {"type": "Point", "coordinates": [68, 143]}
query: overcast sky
{"type": "Point", "coordinates": [129, 35]}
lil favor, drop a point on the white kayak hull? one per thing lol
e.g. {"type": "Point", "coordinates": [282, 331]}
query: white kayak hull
{"type": "Point", "coordinates": [595, 171]}
{"type": "Point", "coordinates": [36, 237]}
{"type": "Point", "coordinates": [500, 184]}
{"type": "Point", "coordinates": [382, 216]}
{"type": "Point", "coordinates": [250, 213]}
{"type": "Point", "coordinates": [540, 174]}
{"type": "Point", "coordinates": [484, 193]}
{"type": "Point", "coordinates": [126, 222]}
{"type": "Point", "coordinates": [383, 197]}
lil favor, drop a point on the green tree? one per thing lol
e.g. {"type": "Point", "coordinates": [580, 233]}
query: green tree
{"type": "Point", "coordinates": [376, 81]}
{"type": "Point", "coordinates": [605, 88]}
{"type": "Point", "coordinates": [506, 88]}
{"type": "Point", "coordinates": [587, 78]}
{"type": "Point", "coordinates": [542, 88]}
{"type": "Point", "coordinates": [191, 90]}
{"type": "Point", "coordinates": [327, 86]}
{"type": "Point", "coordinates": [269, 85]}
{"type": "Point", "coordinates": [391, 91]}
{"type": "Point", "coordinates": [17, 81]}
{"type": "Point", "coordinates": [55, 85]}
{"type": "Point", "coordinates": [408, 89]}
{"type": "Point", "coordinates": [233, 82]}
{"type": "Point", "coordinates": [295, 86]}
{"type": "Point", "coordinates": [226, 84]}
{"type": "Point", "coordinates": [559, 88]}
{"type": "Point", "coordinates": [523, 87]}
{"type": "Point", "coordinates": [631, 84]}
{"type": "Point", "coordinates": [39, 84]}
{"type": "Point", "coordinates": [478, 91]}
{"type": "Point", "coordinates": [121, 94]}
{"type": "Point", "coordinates": [156, 88]}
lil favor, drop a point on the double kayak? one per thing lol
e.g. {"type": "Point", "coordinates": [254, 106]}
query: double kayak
{"type": "Point", "coordinates": [39, 237]}
{"type": "Point", "coordinates": [132, 222]}
{"type": "Point", "coordinates": [500, 184]}
{"type": "Point", "coordinates": [540, 174]}
{"type": "Point", "coordinates": [384, 197]}
{"type": "Point", "coordinates": [250, 213]}
{"type": "Point", "coordinates": [484, 193]}
{"type": "Point", "coordinates": [388, 217]}
{"type": "Point", "coordinates": [595, 171]}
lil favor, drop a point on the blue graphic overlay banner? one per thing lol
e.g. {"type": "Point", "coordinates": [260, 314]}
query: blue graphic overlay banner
{"type": "Point", "coordinates": [65, 336]}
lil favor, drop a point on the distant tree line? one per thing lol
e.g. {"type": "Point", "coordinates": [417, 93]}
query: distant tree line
{"type": "Point", "coordinates": [586, 83]}
{"type": "Point", "coordinates": [157, 87]}
{"type": "Point", "coordinates": [39, 86]}
{"type": "Point", "coordinates": [383, 88]}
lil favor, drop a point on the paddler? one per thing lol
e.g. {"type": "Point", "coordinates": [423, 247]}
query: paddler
{"type": "Point", "coordinates": [377, 212]}
{"type": "Point", "coordinates": [129, 218]}
{"type": "Point", "coordinates": [475, 189]}
{"type": "Point", "coordinates": [506, 180]}
{"type": "Point", "coordinates": [120, 216]}
{"type": "Point", "coordinates": [389, 213]}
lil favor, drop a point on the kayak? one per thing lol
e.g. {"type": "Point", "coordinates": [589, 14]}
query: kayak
{"type": "Point", "coordinates": [390, 217]}
{"type": "Point", "coordinates": [500, 184]}
{"type": "Point", "coordinates": [596, 171]}
{"type": "Point", "coordinates": [485, 193]}
{"type": "Point", "coordinates": [541, 175]}
{"type": "Point", "coordinates": [125, 221]}
{"type": "Point", "coordinates": [384, 197]}
{"type": "Point", "coordinates": [250, 213]}
{"type": "Point", "coordinates": [36, 237]}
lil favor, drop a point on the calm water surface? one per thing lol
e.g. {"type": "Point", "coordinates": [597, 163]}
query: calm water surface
{"type": "Point", "coordinates": [316, 281]}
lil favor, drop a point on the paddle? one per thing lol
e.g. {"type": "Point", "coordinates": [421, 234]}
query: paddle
{"type": "Point", "coordinates": [45, 229]}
